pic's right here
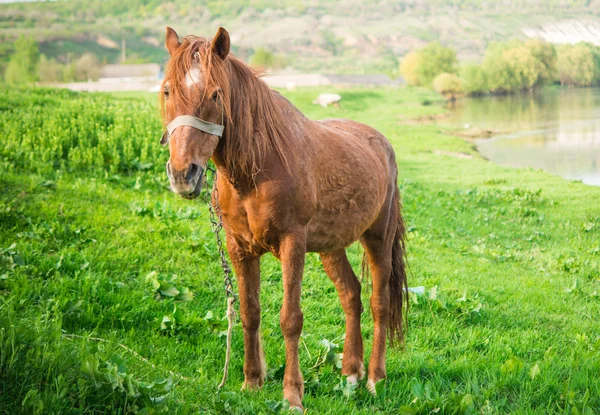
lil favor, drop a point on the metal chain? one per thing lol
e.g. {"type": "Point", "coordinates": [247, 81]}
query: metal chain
{"type": "Point", "coordinates": [216, 221]}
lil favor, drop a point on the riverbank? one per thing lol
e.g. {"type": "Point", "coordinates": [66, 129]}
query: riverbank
{"type": "Point", "coordinates": [93, 244]}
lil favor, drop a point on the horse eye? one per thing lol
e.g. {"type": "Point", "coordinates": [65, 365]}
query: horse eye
{"type": "Point", "coordinates": [215, 96]}
{"type": "Point", "coordinates": [166, 92]}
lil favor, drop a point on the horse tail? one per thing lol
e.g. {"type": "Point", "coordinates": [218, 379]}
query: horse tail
{"type": "Point", "coordinates": [398, 322]}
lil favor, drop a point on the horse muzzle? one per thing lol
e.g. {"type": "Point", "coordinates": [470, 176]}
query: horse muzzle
{"type": "Point", "coordinates": [186, 183]}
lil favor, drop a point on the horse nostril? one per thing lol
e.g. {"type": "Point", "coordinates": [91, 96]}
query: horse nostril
{"type": "Point", "coordinates": [192, 171]}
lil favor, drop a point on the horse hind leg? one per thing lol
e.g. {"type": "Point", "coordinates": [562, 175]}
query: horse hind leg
{"type": "Point", "coordinates": [383, 243]}
{"type": "Point", "coordinates": [340, 272]}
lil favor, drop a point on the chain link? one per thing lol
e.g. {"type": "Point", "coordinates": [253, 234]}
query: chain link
{"type": "Point", "coordinates": [216, 221]}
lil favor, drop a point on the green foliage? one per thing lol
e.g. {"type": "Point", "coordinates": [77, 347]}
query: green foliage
{"type": "Point", "coordinates": [409, 67]}
{"type": "Point", "coordinates": [545, 54]}
{"type": "Point", "coordinates": [87, 68]}
{"type": "Point", "coordinates": [264, 59]}
{"type": "Point", "coordinates": [331, 42]}
{"type": "Point", "coordinates": [579, 65]}
{"type": "Point", "coordinates": [421, 67]}
{"type": "Point", "coordinates": [474, 79]}
{"type": "Point", "coordinates": [512, 67]}
{"type": "Point", "coordinates": [448, 85]}
{"type": "Point", "coordinates": [22, 67]}
{"type": "Point", "coordinates": [83, 134]}
{"type": "Point", "coordinates": [49, 70]}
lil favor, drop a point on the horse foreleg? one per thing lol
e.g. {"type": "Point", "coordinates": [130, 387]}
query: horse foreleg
{"type": "Point", "coordinates": [340, 272]}
{"type": "Point", "coordinates": [292, 252]}
{"type": "Point", "coordinates": [247, 270]}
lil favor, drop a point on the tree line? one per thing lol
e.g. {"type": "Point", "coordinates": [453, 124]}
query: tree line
{"type": "Point", "coordinates": [507, 67]}
{"type": "Point", "coordinates": [27, 65]}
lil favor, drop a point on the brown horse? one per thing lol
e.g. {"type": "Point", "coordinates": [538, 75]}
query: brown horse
{"type": "Point", "coordinates": [287, 185]}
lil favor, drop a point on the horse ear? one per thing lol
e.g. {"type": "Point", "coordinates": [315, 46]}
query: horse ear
{"type": "Point", "coordinates": [220, 43]}
{"type": "Point", "coordinates": [172, 41]}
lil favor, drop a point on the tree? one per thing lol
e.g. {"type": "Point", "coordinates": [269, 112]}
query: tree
{"type": "Point", "coordinates": [263, 59]}
{"type": "Point", "coordinates": [87, 68]}
{"type": "Point", "coordinates": [408, 68]}
{"type": "Point", "coordinates": [435, 59]}
{"type": "Point", "coordinates": [22, 67]}
{"type": "Point", "coordinates": [511, 67]}
{"type": "Point", "coordinates": [545, 53]}
{"type": "Point", "coordinates": [526, 69]}
{"type": "Point", "coordinates": [576, 65]}
{"type": "Point", "coordinates": [49, 70]}
{"type": "Point", "coordinates": [474, 80]}
{"type": "Point", "coordinates": [449, 85]}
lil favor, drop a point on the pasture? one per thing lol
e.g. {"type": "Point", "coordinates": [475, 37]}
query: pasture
{"type": "Point", "coordinates": [94, 246]}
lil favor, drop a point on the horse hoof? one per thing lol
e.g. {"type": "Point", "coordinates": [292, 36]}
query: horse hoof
{"type": "Point", "coordinates": [297, 409]}
{"type": "Point", "coordinates": [354, 378]}
{"type": "Point", "coordinates": [371, 386]}
{"type": "Point", "coordinates": [251, 386]}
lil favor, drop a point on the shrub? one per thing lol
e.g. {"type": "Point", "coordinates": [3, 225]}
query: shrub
{"type": "Point", "coordinates": [49, 70]}
{"type": "Point", "coordinates": [263, 59]}
{"type": "Point", "coordinates": [87, 68]}
{"type": "Point", "coordinates": [421, 67]}
{"type": "Point", "coordinates": [577, 65]}
{"type": "Point", "coordinates": [511, 67]}
{"type": "Point", "coordinates": [546, 54]}
{"type": "Point", "coordinates": [408, 68]}
{"type": "Point", "coordinates": [434, 60]}
{"type": "Point", "coordinates": [22, 67]}
{"type": "Point", "coordinates": [448, 85]}
{"type": "Point", "coordinates": [474, 80]}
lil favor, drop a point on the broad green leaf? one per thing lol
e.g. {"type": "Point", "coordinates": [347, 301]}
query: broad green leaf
{"type": "Point", "coordinates": [534, 371]}
{"type": "Point", "coordinates": [433, 293]}
{"type": "Point", "coordinates": [466, 403]}
{"type": "Point", "coordinates": [405, 410]}
{"type": "Point", "coordinates": [380, 387]}
{"type": "Point", "coordinates": [185, 294]}
{"type": "Point", "coordinates": [169, 290]}
{"type": "Point", "coordinates": [512, 365]}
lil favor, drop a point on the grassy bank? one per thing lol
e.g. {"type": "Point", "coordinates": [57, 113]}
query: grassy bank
{"type": "Point", "coordinates": [92, 244]}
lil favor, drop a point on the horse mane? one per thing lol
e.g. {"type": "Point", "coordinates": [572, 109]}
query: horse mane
{"type": "Point", "coordinates": [255, 123]}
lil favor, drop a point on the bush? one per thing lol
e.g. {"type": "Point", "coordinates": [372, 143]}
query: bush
{"type": "Point", "coordinates": [546, 54]}
{"type": "Point", "coordinates": [45, 130]}
{"type": "Point", "coordinates": [474, 80]}
{"type": "Point", "coordinates": [49, 70]}
{"type": "Point", "coordinates": [408, 68]}
{"type": "Point", "coordinates": [263, 59]}
{"type": "Point", "coordinates": [448, 85]}
{"type": "Point", "coordinates": [512, 67]}
{"type": "Point", "coordinates": [421, 67]}
{"type": "Point", "coordinates": [22, 67]}
{"type": "Point", "coordinates": [434, 60]}
{"type": "Point", "coordinates": [578, 65]}
{"type": "Point", "coordinates": [87, 68]}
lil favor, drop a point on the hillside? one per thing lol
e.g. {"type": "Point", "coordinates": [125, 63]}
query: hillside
{"type": "Point", "coordinates": [349, 36]}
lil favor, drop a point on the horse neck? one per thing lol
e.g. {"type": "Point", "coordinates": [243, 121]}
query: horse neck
{"type": "Point", "coordinates": [257, 134]}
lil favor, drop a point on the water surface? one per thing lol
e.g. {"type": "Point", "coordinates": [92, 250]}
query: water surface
{"type": "Point", "coordinates": [556, 130]}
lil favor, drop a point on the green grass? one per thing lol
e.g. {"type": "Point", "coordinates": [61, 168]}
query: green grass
{"type": "Point", "coordinates": [92, 243]}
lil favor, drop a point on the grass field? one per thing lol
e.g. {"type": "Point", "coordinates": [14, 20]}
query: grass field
{"type": "Point", "coordinates": [94, 246]}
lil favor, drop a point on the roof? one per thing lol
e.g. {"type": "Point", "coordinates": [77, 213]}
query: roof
{"type": "Point", "coordinates": [130, 71]}
{"type": "Point", "coordinates": [362, 80]}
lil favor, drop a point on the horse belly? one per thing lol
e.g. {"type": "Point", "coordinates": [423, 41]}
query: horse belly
{"type": "Point", "coordinates": [337, 225]}
{"type": "Point", "coordinates": [354, 174]}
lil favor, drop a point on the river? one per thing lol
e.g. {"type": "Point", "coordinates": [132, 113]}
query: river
{"type": "Point", "coordinates": [555, 130]}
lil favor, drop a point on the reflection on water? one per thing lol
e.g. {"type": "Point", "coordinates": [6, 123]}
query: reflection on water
{"type": "Point", "coordinates": [558, 131]}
